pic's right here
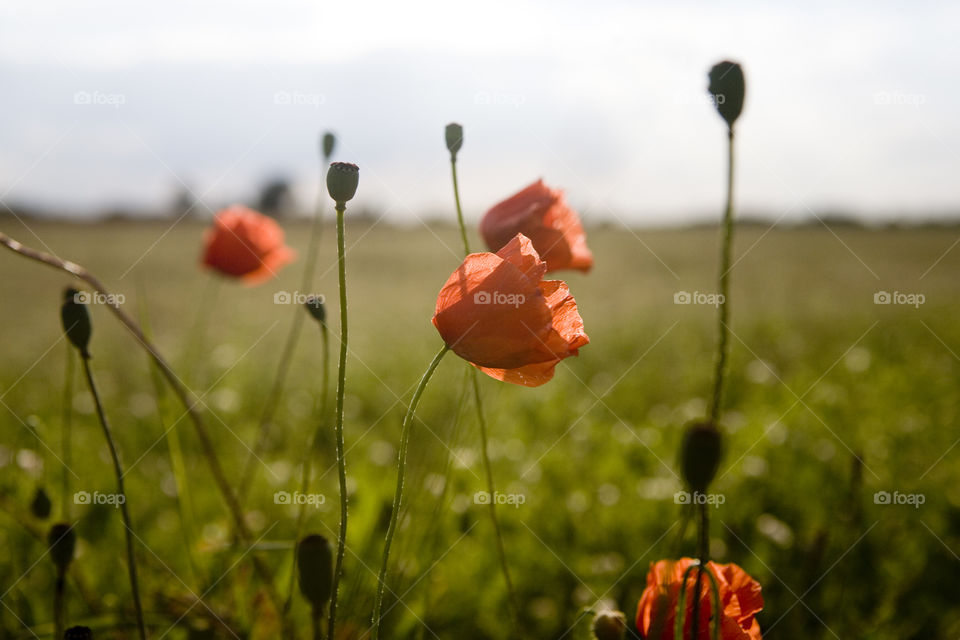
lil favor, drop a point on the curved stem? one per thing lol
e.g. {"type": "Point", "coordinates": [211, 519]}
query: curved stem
{"type": "Point", "coordinates": [501, 551]}
{"type": "Point", "coordinates": [186, 397]}
{"type": "Point", "coordinates": [398, 493]}
{"type": "Point", "coordinates": [723, 314]}
{"type": "Point", "coordinates": [341, 384]}
{"type": "Point", "coordinates": [118, 471]}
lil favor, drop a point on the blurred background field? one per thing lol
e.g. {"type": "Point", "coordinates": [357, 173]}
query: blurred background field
{"type": "Point", "coordinates": [832, 399]}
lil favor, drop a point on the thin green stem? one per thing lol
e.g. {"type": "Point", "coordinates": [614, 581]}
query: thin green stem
{"type": "Point", "coordinates": [501, 551]}
{"type": "Point", "coordinates": [290, 346]}
{"type": "Point", "coordinates": [187, 398]}
{"type": "Point", "coordinates": [723, 313]}
{"type": "Point", "coordinates": [118, 471]}
{"type": "Point", "coordinates": [172, 436]}
{"type": "Point", "coordinates": [316, 616]}
{"type": "Point", "coordinates": [307, 466]}
{"type": "Point", "coordinates": [703, 555]}
{"type": "Point", "coordinates": [341, 385]}
{"type": "Point", "coordinates": [66, 421]}
{"type": "Point", "coordinates": [492, 503]}
{"type": "Point", "coordinates": [398, 493]}
{"type": "Point", "coordinates": [59, 604]}
{"type": "Point", "coordinates": [456, 197]}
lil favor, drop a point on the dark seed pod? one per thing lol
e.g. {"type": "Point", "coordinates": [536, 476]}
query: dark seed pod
{"type": "Point", "coordinates": [327, 144]}
{"type": "Point", "coordinates": [727, 87]}
{"type": "Point", "coordinates": [62, 542]}
{"type": "Point", "coordinates": [40, 506]}
{"type": "Point", "coordinates": [76, 320]}
{"type": "Point", "coordinates": [316, 308]}
{"type": "Point", "coordinates": [609, 625]}
{"type": "Point", "coordinates": [454, 138]}
{"type": "Point", "coordinates": [342, 181]}
{"type": "Point", "coordinates": [700, 455]}
{"type": "Point", "coordinates": [315, 570]}
{"type": "Point", "coordinates": [78, 633]}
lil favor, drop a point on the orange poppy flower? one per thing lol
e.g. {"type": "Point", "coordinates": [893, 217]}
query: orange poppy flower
{"type": "Point", "coordinates": [739, 597]}
{"type": "Point", "coordinates": [543, 215]}
{"type": "Point", "coordinates": [245, 244]}
{"type": "Point", "coordinates": [497, 312]}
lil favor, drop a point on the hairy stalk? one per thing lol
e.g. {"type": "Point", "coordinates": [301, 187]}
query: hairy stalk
{"type": "Point", "coordinates": [66, 423]}
{"type": "Point", "coordinates": [491, 488]}
{"type": "Point", "coordinates": [186, 397]}
{"type": "Point", "coordinates": [723, 313]}
{"type": "Point", "coordinates": [125, 514]}
{"type": "Point", "coordinates": [398, 493]}
{"type": "Point", "coordinates": [341, 385]}
{"type": "Point", "coordinates": [307, 465]}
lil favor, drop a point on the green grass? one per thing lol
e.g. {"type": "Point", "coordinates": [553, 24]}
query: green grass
{"type": "Point", "coordinates": [820, 377]}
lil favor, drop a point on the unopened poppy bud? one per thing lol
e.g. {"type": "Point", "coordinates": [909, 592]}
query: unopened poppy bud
{"type": "Point", "coordinates": [78, 633]}
{"type": "Point", "coordinates": [727, 88]}
{"type": "Point", "coordinates": [62, 542]}
{"type": "Point", "coordinates": [454, 136]}
{"type": "Point", "coordinates": [327, 144]}
{"type": "Point", "coordinates": [315, 569]}
{"type": "Point", "coordinates": [40, 507]}
{"type": "Point", "coordinates": [76, 320]}
{"type": "Point", "coordinates": [609, 625]}
{"type": "Point", "coordinates": [317, 309]}
{"type": "Point", "coordinates": [342, 180]}
{"type": "Point", "coordinates": [700, 455]}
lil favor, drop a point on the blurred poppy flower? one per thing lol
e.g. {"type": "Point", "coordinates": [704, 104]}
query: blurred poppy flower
{"type": "Point", "coordinates": [543, 215]}
{"type": "Point", "coordinates": [245, 244]}
{"type": "Point", "coordinates": [739, 597]}
{"type": "Point", "coordinates": [498, 313]}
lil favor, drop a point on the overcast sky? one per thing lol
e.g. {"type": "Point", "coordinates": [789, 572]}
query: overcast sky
{"type": "Point", "coordinates": [851, 107]}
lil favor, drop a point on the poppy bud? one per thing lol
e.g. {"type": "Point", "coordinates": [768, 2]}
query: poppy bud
{"type": "Point", "coordinates": [62, 542]}
{"type": "Point", "coordinates": [78, 633]}
{"type": "Point", "coordinates": [76, 320]}
{"type": "Point", "coordinates": [609, 625]}
{"type": "Point", "coordinates": [328, 143]}
{"type": "Point", "coordinates": [40, 507]}
{"type": "Point", "coordinates": [454, 136]}
{"type": "Point", "coordinates": [700, 455]}
{"type": "Point", "coordinates": [317, 309]}
{"type": "Point", "coordinates": [315, 569]}
{"type": "Point", "coordinates": [727, 88]}
{"type": "Point", "coordinates": [342, 180]}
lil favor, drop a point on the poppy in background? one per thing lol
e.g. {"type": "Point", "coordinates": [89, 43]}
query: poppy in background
{"type": "Point", "coordinates": [740, 601]}
{"type": "Point", "coordinates": [497, 312]}
{"type": "Point", "coordinates": [245, 244]}
{"type": "Point", "coordinates": [543, 215]}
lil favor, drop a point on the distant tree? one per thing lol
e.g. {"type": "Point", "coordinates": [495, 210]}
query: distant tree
{"type": "Point", "coordinates": [184, 203]}
{"type": "Point", "coordinates": [276, 198]}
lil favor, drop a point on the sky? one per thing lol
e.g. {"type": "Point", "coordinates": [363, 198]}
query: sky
{"type": "Point", "coordinates": [851, 107]}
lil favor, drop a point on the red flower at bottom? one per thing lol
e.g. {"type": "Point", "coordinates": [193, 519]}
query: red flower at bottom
{"type": "Point", "coordinates": [740, 601]}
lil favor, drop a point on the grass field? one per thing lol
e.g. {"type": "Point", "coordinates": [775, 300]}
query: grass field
{"type": "Point", "coordinates": [832, 398]}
